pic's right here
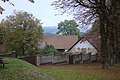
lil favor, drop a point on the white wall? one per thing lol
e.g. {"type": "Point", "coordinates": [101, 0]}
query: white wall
{"type": "Point", "coordinates": [42, 45]}
{"type": "Point", "coordinates": [83, 47]}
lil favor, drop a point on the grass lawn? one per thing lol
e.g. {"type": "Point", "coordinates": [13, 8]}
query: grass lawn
{"type": "Point", "coordinates": [20, 70]}
{"type": "Point", "coordinates": [89, 71]}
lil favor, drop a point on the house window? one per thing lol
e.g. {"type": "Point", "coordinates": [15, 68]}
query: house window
{"type": "Point", "coordinates": [79, 49]}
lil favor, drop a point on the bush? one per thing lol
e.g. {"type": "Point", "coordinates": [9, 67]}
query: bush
{"type": "Point", "coordinates": [49, 50]}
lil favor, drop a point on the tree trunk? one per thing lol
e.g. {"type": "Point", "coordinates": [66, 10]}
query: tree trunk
{"type": "Point", "coordinates": [104, 49]}
{"type": "Point", "coordinates": [117, 38]}
{"type": "Point", "coordinates": [116, 22]}
{"type": "Point", "coordinates": [110, 41]}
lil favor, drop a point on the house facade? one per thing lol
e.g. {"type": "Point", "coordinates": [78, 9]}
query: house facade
{"type": "Point", "coordinates": [85, 46]}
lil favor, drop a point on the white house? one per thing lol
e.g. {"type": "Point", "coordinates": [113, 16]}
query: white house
{"type": "Point", "coordinates": [84, 46]}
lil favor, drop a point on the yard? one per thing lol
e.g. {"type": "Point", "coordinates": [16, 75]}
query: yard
{"type": "Point", "coordinates": [88, 71]}
{"type": "Point", "coordinates": [20, 70]}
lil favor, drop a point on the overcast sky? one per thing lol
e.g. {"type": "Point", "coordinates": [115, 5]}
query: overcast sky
{"type": "Point", "coordinates": [41, 9]}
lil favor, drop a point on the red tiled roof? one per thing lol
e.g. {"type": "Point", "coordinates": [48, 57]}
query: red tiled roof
{"type": "Point", "coordinates": [61, 42]}
{"type": "Point", "coordinates": [96, 42]}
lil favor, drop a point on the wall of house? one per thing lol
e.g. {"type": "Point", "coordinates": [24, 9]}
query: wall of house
{"type": "Point", "coordinates": [42, 45]}
{"type": "Point", "coordinates": [83, 47]}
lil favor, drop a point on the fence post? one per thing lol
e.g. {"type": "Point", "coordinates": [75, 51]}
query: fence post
{"type": "Point", "coordinates": [81, 57]}
{"type": "Point", "coordinates": [37, 60]}
{"type": "Point", "coordinates": [40, 58]}
{"type": "Point", "coordinates": [67, 58]}
{"type": "Point", "coordinates": [90, 57]}
{"type": "Point", "coordinates": [97, 56]}
{"type": "Point", "coordinates": [52, 59]}
{"type": "Point", "coordinates": [74, 57]}
{"type": "Point", "coordinates": [13, 54]}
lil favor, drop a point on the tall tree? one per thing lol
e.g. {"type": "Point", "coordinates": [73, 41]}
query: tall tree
{"type": "Point", "coordinates": [68, 27]}
{"type": "Point", "coordinates": [22, 32]}
{"type": "Point", "coordinates": [107, 12]}
{"type": "Point", "coordinates": [95, 30]}
{"type": "Point", "coordinates": [1, 36]}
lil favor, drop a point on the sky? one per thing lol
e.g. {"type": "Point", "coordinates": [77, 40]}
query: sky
{"type": "Point", "coordinates": [41, 9]}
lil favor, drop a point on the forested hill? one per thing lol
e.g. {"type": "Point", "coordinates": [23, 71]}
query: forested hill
{"type": "Point", "coordinates": [51, 30]}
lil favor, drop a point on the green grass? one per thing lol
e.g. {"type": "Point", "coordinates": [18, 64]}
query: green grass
{"type": "Point", "coordinates": [81, 72]}
{"type": "Point", "coordinates": [20, 70]}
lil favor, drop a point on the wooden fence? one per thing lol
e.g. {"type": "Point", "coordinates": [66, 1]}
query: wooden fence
{"type": "Point", "coordinates": [30, 59]}
{"type": "Point", "coordinates": [12, 54]}
{"type": "Point", "coordinates": [57, 59]}
{"type": "Point", "coordinates": [80, 58]}
{"type": "Point", "coordinates": [52, 59]}
{"type": "Point", "coordinates": [68, 59]}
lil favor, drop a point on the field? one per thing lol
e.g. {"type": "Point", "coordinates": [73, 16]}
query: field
{"type": "Point", "coordinates": [89, 71]}
{"type": "Point", "coordinates": [20, 70]}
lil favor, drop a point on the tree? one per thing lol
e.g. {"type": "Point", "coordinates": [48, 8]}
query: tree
{"type": "Point", "coordinates": [48, 50]}
{"type": "Point", "coordinates": [95, 30]}
{"type": "Point", "coordinates": [68, 27]}
{"type": "Point", "coordinates": [107, 12]}
{"type": "Point", "coordinates": [1, 36]}
{"type": "Point", "coordinates": [22, 32]}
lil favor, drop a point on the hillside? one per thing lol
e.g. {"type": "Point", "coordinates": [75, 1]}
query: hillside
{"type": "Point", "coordinates": [20, 70]}
{"type": "Point", "coordinates": [51, 30]}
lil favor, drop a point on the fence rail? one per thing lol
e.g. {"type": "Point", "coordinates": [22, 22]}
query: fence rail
{"type": "Point", "coordinates": [12, 54]}
{"type": "Point", "coordinates": [57, 59]}
{"type": "Point", "coordinates": [68, 59]}
{"type": "Point", "coordinates": [52, 59]}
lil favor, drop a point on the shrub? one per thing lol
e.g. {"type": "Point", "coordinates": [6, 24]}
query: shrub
{"type": "Point", "coordinates": [49, 50]}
